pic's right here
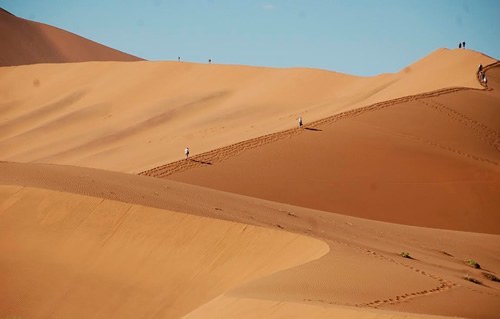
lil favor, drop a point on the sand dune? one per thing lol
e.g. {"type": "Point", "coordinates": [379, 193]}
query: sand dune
{"type": "Point", "coordinates": [292, 222]}
{"type": "Point", "coordinates": [431, 160]}
{"type": "Point", "coordinates": [230, 307]}
{"type": "Point", "coordinates": [67, 255]}
{"type": "Point", "coordinates": [135, 116]}
{"type": "Point", "coordinates": [28, 42]}
{"type": "Point", "coordinates": [99, 252]}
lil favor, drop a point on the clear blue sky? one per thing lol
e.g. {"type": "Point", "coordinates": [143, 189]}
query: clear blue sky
{"type": "Point", "coordinates": [355, 37]}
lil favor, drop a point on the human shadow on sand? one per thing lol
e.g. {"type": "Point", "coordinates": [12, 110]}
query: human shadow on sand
{"type": "Point", "coordinates": [200, 161]}
{"type": "Point", "coordinates": [313, 129]}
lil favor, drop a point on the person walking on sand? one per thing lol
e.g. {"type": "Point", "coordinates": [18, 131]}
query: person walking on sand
{"type": "Point", "coordinates": [460, 45]}
{"type": "Point", "coordinates": [463, 44]}
{"type": "Point", "coordinates": [186, 152]}
{"type": "Point", "coordinates": [300, 121]}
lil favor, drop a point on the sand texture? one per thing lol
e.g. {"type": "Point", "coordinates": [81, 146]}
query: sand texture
{"type": "Point", "coordinates": [384, 205]}
{"type": "Point", "coordinates": [95, 239]}
{"type": "Point", "coordinates": [431, 160]}
{"type": "Point", "coordinates": [93, 114]}
{"type": "Point", "coordinates": [28, 42]}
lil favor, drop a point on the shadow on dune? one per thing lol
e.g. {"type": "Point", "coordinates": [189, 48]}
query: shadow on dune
{"type": "Point", "coordinates": [200, 161]}
{"type": "Point", "coordinates": [313, 129]}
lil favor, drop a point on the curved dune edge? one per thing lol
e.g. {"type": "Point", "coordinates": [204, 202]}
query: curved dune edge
{"type": "Point", "coordinates": [130, 117]}
{"type": "Point", "coordinates": [29, 42]}
{"type": "Point", "coordinates": [428, 160]}
{"type": "Point", "coordinates": [68, 255]}
{"type": "Point", "coordinates": [226, 152]}
{"type": "Point", "coordinates": [234, 307]}
{"type": "Point", "coordinates": [362, 269]}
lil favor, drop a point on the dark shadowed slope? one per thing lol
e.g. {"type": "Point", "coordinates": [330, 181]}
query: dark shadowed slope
{"type": "Point", "coordinates": [84, 243]}
{"type": "Point", "coordinates": [431, 161]}
{"type": "Point", "coordinates": [29, 42]}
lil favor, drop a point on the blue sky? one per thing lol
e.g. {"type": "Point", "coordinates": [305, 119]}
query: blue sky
{"type": "Point", "coordinates": [355, 37]}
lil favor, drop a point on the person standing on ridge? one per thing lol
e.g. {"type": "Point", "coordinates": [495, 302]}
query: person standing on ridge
{"type": "Point", "coordinates": [186, 152]}
{"type": "Point", "coordinates": [300, 121]}
{"type": "Point", "coordinates": [463, 44]}
{"type": "Point", "coordinates": [460, 45]}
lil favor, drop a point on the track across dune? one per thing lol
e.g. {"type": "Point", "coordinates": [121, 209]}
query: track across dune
{"type": "Point", "coordinates": [361, 275]}
{"type": "Point", "coordinates": [429, 155]}
{"type": "Point", "coordinates": [223, 153]}
{"type": "Point", "coordinates": [264, 220]}
{"type": "Point", "coordinates": [158, 108]}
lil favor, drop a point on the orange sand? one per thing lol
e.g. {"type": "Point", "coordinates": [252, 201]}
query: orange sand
{"type": "Point", "coordinates": [431, 161]}
{"type": "Point", "coordinates": [93, 114]}
{"type": "Point", "coordinates": [29, 42]}
{"type": "Point", "coordinates": [418, 147]}
{"type": "Point", "coordinates": [56, 240]}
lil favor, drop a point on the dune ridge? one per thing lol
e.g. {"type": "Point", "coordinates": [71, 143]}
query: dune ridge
{"type": "Point", "coordinates": [91, 114]}
{"type": "Point", "coordinates": [223, 153]}
{"type": "Point", "coordinates": [28, 42]}
{"type": "Point", "coordinates": [231, 307]}
{"type": "Point", "coordinates": [362, 274]}
{"type": "Point", "coordinates": [434, 151]}
{"type": "Point", "coordinates": [276, 221]}
{"type": "Point", "coordinates": [84, 256]}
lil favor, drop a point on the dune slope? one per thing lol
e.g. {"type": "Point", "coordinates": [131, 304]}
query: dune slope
{"type": "Point", "coordinates": [92, 255]}
{"type": "Point", "coordinates": [68, 255]}
{"type": "Point", "coordinates": [430, 161]}
{"type": "Point", "coordinates": [134, 116]}
{"type": "Point", "coordinates": [29, 42]}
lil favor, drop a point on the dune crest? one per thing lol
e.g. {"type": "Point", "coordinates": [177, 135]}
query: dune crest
{"type": "Point", "coordinates": [382, 205]}
{"type": "Point", "coordinates": [94, 114]}
{"type": "Point", "coordinates": [83, 256]}
{"type": "Point", "coordinates": [428, 160]}
{"type": "Point", "coordinates": [69, 253]}
{"type": "Point", "coordinates": [231, 307]}
{"type": "Point", "coordinates": [29, 42]}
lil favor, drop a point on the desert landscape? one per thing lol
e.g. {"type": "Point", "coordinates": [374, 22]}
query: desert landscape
{"type": "Point", "coordinates": [384, 204]}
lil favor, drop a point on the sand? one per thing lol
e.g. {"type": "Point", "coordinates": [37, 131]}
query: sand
{"type": "Point", "coordinates": [29, 42]}
{"type": "Point", "coordinates": [229, 307]}
{"type": "Point", "coordinates": [432, 162]}
{"type": "Point", "coordinates": [92, 114]}
{"type": "Point", "coordinates": [57, 216]}
{"type": "Point", "coordinates": [69, 255]}
{"type": "Point", "coordinates": [265, 219]}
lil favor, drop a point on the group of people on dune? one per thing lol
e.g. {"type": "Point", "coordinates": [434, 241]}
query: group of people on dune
{"type": "Point", "coordinates": [482, 75]}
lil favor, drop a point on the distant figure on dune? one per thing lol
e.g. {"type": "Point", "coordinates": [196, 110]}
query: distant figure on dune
{"type": "Point", "coordinates": [209, 60]}
{"type": "Point", "coordinates": [463, 44]}
{"type": "Point", "coordinates": [186, 152]}
{"type": "Point", "coordinates": [179, 58]}
{"type": "Point", "coordinates": [460, 45]}
{"type": "Point", "coordinates": [480, 67]}
{"type": "Point", "coordinates": [484, 79]}
{"type": "Point", "coordinates": [300, 121]}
